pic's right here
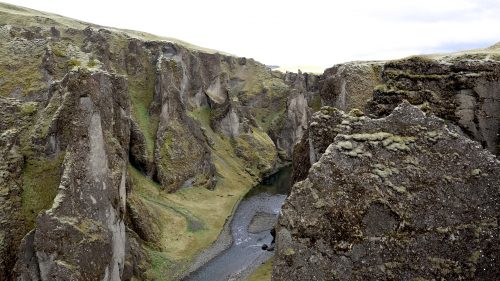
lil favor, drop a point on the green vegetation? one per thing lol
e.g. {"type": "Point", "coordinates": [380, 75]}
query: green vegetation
{"type": "Point", "coordinates": [315, 103]}
{"type": "Point", "coordinates": [19, 68]}
{"type": "Point", "coordinates": [267, 118]}
{"type": "Point", "coordinates": [263, 272]}
{"type": "Point", "coordinates": [14, 15]}
{"type": "Point", "coordinates": [41, 179]}
{"type": "Point", "coordinates": [92, 63]}
{"type": "Point", "coordinates": [141, 90]}
{"type": "Point", "coordinates": [472, 56]}
{"type": "Point", "coordinates": [58, 52]}
{"type": "Point", "coordinates": [74, 63]}
{"type": "Point", "coordinates": [28, 108]}
{"type": "Point", "coordinates": [191, 219]}
{"type": "Point", "coordinates": [415, 59]}
{"type": "Point", "coordinates": [161, 265]}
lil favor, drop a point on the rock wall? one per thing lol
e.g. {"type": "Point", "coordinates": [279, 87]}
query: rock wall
{"type": "Point", "coordinates": [462, 90]}
{"type": "Point", "coordinates": [349, 85]}
{"type": "Point", "coordinates": [392, 198]}
{"type": "Point", "coordinates": [84, 105]}
{"type": "Point", "coordinates": [82, 236]}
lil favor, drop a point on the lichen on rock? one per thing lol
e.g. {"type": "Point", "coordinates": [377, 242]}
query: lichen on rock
{"type": "Point", "coordinates": [393, 215]}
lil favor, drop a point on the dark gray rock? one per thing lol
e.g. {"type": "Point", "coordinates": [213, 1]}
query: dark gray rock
{"type": "Point", "coordinates": [405, 197]}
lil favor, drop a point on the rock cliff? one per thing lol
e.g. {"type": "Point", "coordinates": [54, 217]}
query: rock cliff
{"type": "Point", "coordinates": [122, 154]}
{"type": "Point", "coordinates": [99, 125]}
{"type": "Point", "coordinates": [407, 196]}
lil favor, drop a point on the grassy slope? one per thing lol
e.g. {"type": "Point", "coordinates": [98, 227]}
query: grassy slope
{"type": "Point", "coordinates": [263, 272]}
{"type": "Point", "coordinates": [191, 219]}
{"type": "Point", "coordinates": [11, 14]}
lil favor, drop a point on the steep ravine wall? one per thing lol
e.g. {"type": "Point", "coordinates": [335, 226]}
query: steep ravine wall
{"type": "Point", "coordinates": [132, 150]}
{"type": "Point", "coordinates": [123, 154]}
{"type": "Point", "coordinates": [395, 187]}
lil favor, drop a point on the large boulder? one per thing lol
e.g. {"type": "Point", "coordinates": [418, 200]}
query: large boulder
{"type": "Point", "coordinates": [405, 197]}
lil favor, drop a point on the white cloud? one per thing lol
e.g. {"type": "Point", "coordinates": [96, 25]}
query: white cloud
{"type": "Point", "coordinates": [312, 32]}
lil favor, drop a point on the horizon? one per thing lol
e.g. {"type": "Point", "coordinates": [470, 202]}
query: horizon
{"type": "Point", "coordinates": [375, 31]}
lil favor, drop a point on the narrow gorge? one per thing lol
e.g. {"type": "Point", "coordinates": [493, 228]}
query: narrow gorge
{"type": "Point", "coordinates": [128, 156]}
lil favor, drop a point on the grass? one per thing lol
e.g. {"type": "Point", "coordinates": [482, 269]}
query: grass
{"type": "Point", "coordinates": [20, 68]}
{"type": "Point", "coordinates": [263, 272]}
{"type": "Point", "coordinates": [41, 179]}
{"type": "Point", "coordinates": [141, 90]}
{"type": "Point", "coordinates": [191, 219]}
{"type": "Point", "coordinates": [175, 213]}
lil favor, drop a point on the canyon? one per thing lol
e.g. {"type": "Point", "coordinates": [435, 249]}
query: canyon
{"type": "Point", "coordinates": [125, 156]}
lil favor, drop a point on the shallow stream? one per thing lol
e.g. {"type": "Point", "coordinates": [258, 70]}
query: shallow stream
{"type": "Point", "coordinates": [252, 221]}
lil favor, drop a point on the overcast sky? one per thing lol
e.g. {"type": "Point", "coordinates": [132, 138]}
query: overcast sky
{"type": "Point", "coordinates": [306, 32]}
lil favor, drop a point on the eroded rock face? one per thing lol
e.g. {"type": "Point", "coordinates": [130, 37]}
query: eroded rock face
{"type": "Point", "coordinates": [82, 236]}
{"type": "Point", "coordinates": [84, 105]}
{"type": "Point", "coordinates": [349, 85]}
{"type": "Point", "coordinates": [461, 90]}
{"type": "Point", "coordinates": [12, 227]}
{"type": "Point", "coordinates": [404, 197]}
{"type": "Point", "coordinates": [298, 111]}
{"type": "Point", "coordinates": [320, 134]}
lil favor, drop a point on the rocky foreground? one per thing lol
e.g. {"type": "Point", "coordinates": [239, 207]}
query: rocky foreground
{"type": "Point", "coordinates": [123, 153]}
{"type": "Point", "coordinates": [404, 197]}
{"type": "Point", "coordinates": [406, 188]}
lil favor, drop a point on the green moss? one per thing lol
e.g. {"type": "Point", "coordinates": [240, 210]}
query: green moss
{"type": "Point", "coordinates": [28, 108]}
{"type": "Point", "coordinates": [161, 265]}
{"type": "Point", "coordinates": [416, 59]}
{"type": "Point", "coordinates": [397, 74]}
{"type": "Point", "coordinates": [92, 63]}
{"type": "Point", "coordinates": [263, 272]}
{"type": "Point", "coordinates": [41, 179]}
{"type": "Point", "coordinates": [268, 118]}
{"type": "Point", "coordinates": [202, 115]}
{"type": "Point", "coordinates": [74, 63]}
{"type": "Point", "coordinates": [181, 156]}
{"type": "Point", "coordinates": [257, 149]}
{"type": "Point", "coordinates": [495, 57]}
{"type": "Point", "coordinates": [315, 103]}
{"type": "Point", "coordinates": [58, 52]}
{"type": "Point", "coordinates": [472, 57]}
{"type": "Point", "coordinates": [141, 90]}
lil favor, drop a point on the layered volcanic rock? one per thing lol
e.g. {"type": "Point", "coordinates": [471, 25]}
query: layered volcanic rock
{"type": "Point", "coordinates": [82, 236]}
{"type": "Point", "coordinates": [405, 197]}
{"type": "Point", "coordinates": [99, 125]}
{"type": "Point", "coordinates": [459, 89]}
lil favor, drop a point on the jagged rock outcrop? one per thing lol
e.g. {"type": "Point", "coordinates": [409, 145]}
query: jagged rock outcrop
{"type": "Point", "coordinates": [407, 196]}
{"type": "Point", "coordinates": [87, 105]}
{"type": "Point", "coordinates": [302, 100]}
{"type": "Point", "coordinates": [320, 134]}
{"type": "Point", "coordinates": [15, 117]}
{"type": "Point", "coordinates": [349, 85]}
{"type": "Point", "coordinates": [459, 89]}
{"type": "Point", "coordinates": [82, 236]}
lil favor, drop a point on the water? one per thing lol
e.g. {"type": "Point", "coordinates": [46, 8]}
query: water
{"type": "Point", "coordinates": [258, 211]}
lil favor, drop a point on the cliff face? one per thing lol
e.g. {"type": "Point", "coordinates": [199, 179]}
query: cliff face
{"type": "Point", "coordinates": [459, 89]}
{"type": "Point", "coordinates": [375, 193]}
{"type": "Point", "coordinates": [82, 235]}
{"type": "Point", "coordinates": [407, 196]}
{"type": "Point", "coordinates": [100, 124]}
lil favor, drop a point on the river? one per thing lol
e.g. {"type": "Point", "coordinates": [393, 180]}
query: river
{"type": "Point", "coordinates": [250, 228]}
